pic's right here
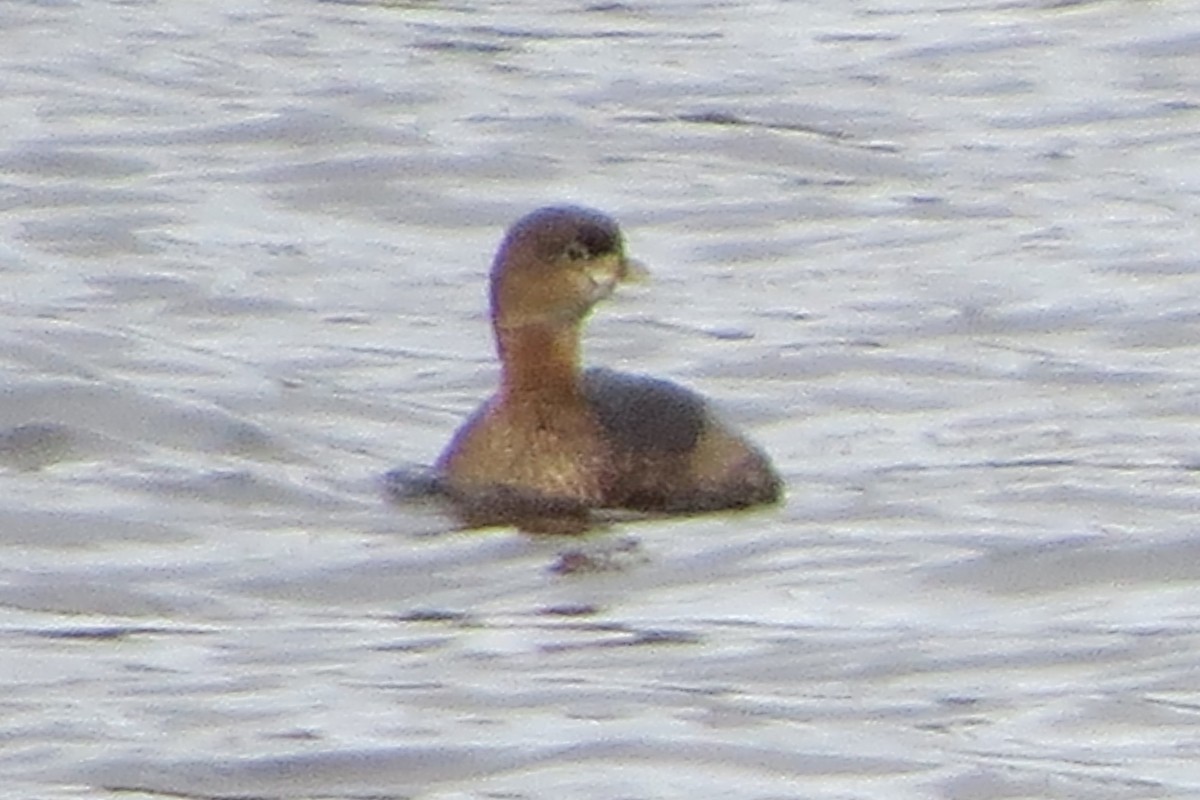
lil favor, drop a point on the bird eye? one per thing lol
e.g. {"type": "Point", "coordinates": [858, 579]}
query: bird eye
{"type": "Point", "coordinates": [576, 252]}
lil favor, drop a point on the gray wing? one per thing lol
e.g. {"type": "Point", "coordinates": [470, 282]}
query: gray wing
{"type": "Point", "coordinates": [645, 414]}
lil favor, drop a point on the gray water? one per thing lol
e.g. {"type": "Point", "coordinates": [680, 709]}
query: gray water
{"type": "Point", "coordinates": [938, 258]}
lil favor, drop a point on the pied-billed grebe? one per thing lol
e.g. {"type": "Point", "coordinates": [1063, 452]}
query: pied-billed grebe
{"type": "Point", "coordinates": [554, 442]}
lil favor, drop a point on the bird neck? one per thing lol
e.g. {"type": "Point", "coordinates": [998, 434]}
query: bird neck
{"type": "Point", "coordinates": [540, 359]}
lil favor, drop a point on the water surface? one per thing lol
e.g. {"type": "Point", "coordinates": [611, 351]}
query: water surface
{"type": "Point", "coordinates": [938, 258]}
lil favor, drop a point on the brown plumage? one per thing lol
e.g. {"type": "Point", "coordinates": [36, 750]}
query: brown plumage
{"type": "Point", "coordinates": [555, 442]}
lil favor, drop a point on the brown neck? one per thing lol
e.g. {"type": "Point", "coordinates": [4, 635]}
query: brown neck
{"type": "Point", "coordinates": [540, 360]}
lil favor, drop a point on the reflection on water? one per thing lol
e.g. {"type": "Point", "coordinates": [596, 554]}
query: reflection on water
{"type": "Point", "coordinates": [938, 258]}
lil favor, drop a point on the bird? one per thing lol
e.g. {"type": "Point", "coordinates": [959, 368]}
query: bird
{"type": "Point", "coordinates": [556, 442]}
